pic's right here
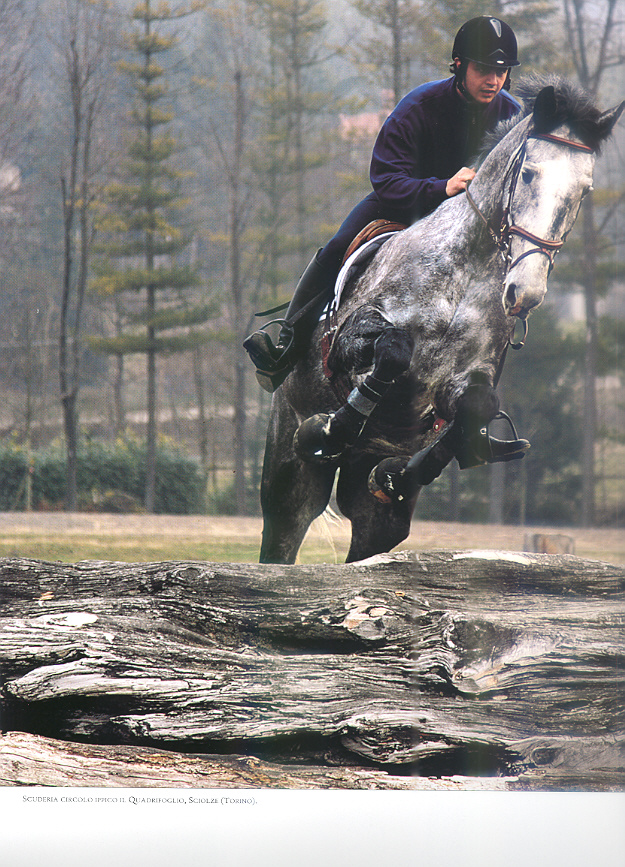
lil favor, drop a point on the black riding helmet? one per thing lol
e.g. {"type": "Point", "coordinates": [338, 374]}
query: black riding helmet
{"type": "Point", "coordinates": [486, 40]}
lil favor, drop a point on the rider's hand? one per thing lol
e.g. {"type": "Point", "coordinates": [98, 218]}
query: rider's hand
{"type": "Point", "coordinates": [459, 182]}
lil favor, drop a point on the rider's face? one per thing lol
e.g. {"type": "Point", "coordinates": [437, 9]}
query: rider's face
{"type": "Point", "coordinates": [483, 83]}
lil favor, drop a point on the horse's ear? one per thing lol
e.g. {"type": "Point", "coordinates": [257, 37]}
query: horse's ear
{"type": "Point", "coordinates": [545, 110]}
{"type": "Point", "coordinates": [608, 120]}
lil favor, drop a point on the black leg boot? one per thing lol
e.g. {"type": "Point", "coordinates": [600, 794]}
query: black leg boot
{"type": "Point", "coordinates": [467, 439]}
{"type": "Point", "coordinates": [274, 363]}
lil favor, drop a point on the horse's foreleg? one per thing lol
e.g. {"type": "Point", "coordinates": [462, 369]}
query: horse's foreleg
{"type": "Point", "coordinates": [376, 527]}
{"type": "Point", "coordinates": [325, 436]}
{"type": "Point", "coordinates": [466, 439]}
{"type": "Point", "coordinates": [296, 495]}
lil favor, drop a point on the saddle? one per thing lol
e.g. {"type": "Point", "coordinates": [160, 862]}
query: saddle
{"type": "Point", "coordinates": [371, 231]}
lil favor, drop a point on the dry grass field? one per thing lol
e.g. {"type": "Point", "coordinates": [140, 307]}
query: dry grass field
{"type": "Point", "coordinates": [149, 538]}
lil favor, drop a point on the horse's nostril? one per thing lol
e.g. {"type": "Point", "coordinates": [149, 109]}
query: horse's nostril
{"type": "Point", "coordinates": [511, 297]}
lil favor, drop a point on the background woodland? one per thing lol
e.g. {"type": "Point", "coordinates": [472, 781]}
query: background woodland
{"type": "Point", "coordinates": [167, 170]}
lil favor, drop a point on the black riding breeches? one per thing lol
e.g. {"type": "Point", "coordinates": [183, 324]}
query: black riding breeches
{"type": "Point", "coordinates": [368, 210]}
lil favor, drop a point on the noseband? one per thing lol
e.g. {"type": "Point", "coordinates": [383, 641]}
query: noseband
{"type": "Point", "coordinates": [502, 236]}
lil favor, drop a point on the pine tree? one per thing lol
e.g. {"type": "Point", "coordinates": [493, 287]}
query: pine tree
{"type": "Point", "coordinates": [142, 226]}
{"type": "Point", "coordinates": [594, 43]}
{"type": "Point", "coordinates": [395, 44]}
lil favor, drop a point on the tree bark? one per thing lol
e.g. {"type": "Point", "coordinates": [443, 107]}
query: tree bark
{"type": "Point", "coordinates": [590, 363]}
{"type": "Point", "coordinates": [240, 358]}
{"type": "Point", "coordinates": [479, 665]}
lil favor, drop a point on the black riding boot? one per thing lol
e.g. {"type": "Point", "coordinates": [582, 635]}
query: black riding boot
{"type": "Point", "coordinates": [274, 363]}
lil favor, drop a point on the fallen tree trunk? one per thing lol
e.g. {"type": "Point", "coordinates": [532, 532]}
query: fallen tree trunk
{"type": "Point", "coordinates": [472, 664]}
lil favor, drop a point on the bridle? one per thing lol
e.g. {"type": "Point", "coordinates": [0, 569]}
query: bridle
{"type": "Point", "coordinates": [503, 234]}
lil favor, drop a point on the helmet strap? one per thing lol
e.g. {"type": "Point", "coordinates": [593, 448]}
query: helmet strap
{"type": "Point", "coordinates": [459, 69]}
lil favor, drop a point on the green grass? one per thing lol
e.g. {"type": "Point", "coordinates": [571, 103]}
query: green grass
{"type": "Point", "coordinates": [226, 546]}
{"type": "Point", "coordinates": [72, 548]}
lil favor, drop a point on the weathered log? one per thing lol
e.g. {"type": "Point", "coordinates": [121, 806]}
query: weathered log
{"type": "Point", "coordinates": [30, 760]}
{"type": "Point", "coordinates": [439, 664]}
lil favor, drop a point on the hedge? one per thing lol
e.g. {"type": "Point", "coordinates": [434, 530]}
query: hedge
{"type": "Point", "coordinates": [107, 473]}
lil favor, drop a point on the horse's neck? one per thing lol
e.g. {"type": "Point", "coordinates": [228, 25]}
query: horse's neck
{"type": "Point", "coordinates": [453, 236]}
{"type": "Point", "coordinates": [448, 250]}
{"type": "Point", "coordinates": [487, 188]}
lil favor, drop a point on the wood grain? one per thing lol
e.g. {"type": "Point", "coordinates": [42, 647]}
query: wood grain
{"type": "Point", "coordinates": [490, 668]}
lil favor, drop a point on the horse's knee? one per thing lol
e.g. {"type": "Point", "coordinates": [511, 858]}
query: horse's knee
{"type": "Point", "coordinates": [325, 436]}
{"type": "Point", "coordinates": [392, 353]}
{"type": "Point", "coordinates": [317, 441]}
{"type": "Point", "coordinates": [477, 405]}
{"type": "Point", "coordinates": [378, 531]}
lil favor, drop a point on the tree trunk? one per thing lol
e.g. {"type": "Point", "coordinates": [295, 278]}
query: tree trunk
{"type": "Point", "coordinates": [202, 420]}
{"type": "Point", "coordinates": [398, 66]}
{"type": "Point", "coordinates": [67, 373]}
{"type": "Point", "coordinates": [590, 362]}
{"type": "Point", "coordinates": [240, 358]}
{"type": "Point", "coordinates": [500, 669]}
{"type": "Point", "coordinates": [150, 261]}
{"type": "Point", "coordinates": [70, 427]}
{"type": "Point", "coordinates": [152, 407]}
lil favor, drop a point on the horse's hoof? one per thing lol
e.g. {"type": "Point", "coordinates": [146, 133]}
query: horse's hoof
{"type": "Point", "coordinates": [311, 440]}
{"type": "Point", "coordinates": [385, 480]}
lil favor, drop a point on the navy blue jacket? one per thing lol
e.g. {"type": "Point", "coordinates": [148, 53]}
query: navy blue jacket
{"type": "Point", "coordinates": [431, 134]}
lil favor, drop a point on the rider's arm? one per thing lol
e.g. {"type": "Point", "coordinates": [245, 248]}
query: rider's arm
{"type": "Point", "coordinates": [460, 181]}
{"type": "Point", "coordinates": [394, 169]}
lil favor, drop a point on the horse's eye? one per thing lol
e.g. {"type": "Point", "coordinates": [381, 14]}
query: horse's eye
{"type": "Point", "coordinates": [527, 175]}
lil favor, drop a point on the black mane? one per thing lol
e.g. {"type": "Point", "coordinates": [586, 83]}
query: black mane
{"type": "Point", "coordinates": [574, 107]}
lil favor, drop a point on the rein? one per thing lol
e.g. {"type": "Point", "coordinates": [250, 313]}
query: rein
{"type": "Point", "coordinates": [502, 237]}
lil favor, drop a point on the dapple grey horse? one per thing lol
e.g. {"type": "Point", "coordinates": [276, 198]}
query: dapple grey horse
{"type": "Point", "coordinates": [419, 338]}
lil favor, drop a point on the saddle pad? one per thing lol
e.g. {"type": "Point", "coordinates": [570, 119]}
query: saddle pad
{"type": "Point", "coordinates": [354, 263]}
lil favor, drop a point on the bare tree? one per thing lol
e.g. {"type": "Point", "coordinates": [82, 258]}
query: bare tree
{"type": "Point", "coordinates": [595, 44]}
{"type": "Point", "coordinates": [230, 59]}
{"type": "Point", "coordinates": [15, 108]}
{"type": "Point", "coordinates": [83, 53]}
{"type": "Point", "coordinates": [391, 50]}
{"type": "Point", "coordinates": [15, 31]}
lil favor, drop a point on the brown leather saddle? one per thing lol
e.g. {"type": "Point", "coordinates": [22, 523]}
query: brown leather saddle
{"type": "Point", "coordinates": [371, 231]}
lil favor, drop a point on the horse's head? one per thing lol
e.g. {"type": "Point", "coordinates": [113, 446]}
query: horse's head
{"type": "Point", "coordinates": [548, 178]}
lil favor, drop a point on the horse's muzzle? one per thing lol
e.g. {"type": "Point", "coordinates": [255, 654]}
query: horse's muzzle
{"type": "Point", "coordinates": [518, 300]}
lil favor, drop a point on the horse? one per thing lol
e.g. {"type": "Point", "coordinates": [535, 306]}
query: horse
{"type": "Point", "coordinates": [419, 337]}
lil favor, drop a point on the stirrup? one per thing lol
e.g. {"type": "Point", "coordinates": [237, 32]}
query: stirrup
{"type": "Point", "coordinates": [490, 450]}
{"type": "Point", "coordinates": [262, 351]}
{"type": "Point", "coordinates": [270, 380]}
{"type": "Point", "coordinates": [273, 363]}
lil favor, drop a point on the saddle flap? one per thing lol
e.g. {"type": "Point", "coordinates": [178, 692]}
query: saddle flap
{"type": "Point", "coordinates": [358, 261]}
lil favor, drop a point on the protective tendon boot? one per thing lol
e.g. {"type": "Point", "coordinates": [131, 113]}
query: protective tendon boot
{"type": "Point", "coordinates": [399, 479]}
{"type": "Point", "coordinates": [274, 363]}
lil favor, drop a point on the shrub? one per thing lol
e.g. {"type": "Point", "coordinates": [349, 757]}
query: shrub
{"type": "Point", "coordinates": [107, 474]}
{"type": "Point", "coordinates": [13, 471]}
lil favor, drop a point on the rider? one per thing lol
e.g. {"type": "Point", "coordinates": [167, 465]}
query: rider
{"type": "Point", "coordinates": [420, 159]}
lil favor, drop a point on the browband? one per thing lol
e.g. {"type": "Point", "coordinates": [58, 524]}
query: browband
{"type": "Point", "coordinates": [547, 136]}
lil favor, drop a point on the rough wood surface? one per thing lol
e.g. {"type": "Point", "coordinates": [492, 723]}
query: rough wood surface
{"type": "Point", "coordinates": [494, 668]}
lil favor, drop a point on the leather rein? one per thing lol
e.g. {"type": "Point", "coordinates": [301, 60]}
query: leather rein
{"type": "Point", "coordinates": [502, 237]}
